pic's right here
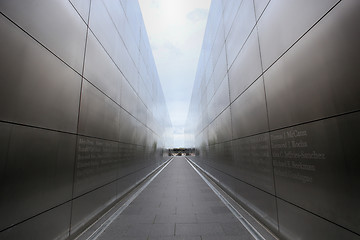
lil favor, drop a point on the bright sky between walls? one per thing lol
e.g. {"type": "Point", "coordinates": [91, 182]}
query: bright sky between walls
{"type": "Point", "coordinates": [176, 29]}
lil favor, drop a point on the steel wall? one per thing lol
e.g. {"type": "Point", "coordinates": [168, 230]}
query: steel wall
{"type": "Point", "coordinates": [275, 112]}
{"type": "Point", "coordinates": [82, 113]}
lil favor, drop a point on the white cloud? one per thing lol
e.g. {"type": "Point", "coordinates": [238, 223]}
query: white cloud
{"type": "Point", "coordinates": [175, 29]}
{"type": "Point", "coordinates": [197, 15]}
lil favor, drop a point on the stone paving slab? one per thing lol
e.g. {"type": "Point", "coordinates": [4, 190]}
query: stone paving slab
{"type": "Point", "coordinates": [176, 205]}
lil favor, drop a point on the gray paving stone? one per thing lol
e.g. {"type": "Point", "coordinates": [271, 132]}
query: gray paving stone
{"type": "Point", "coordinates": [194, 229]}
{"type": "Point", "coordinates": [176, 238]}
{"type": "Point", "coordinates": [179, 218]}
{"type": "Point", "coordinates": [163, 229]}
{"type": "Point", "coordinates": [176, 205]}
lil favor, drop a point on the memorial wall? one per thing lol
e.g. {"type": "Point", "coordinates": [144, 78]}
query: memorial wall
{"type": "Point", "coordinates": [82, 112]}
{"type": "Point", "coordinates": [275, 116]}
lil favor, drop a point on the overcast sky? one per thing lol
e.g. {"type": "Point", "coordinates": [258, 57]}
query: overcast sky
{"type": "Point", "coordinates": [176, 29]}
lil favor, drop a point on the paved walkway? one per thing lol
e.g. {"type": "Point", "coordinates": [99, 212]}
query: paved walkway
{"type": "Point", "coordinates": [177, 204]}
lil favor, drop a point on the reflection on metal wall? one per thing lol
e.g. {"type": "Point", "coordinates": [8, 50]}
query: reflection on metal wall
{"type": "Point", "coordinates": [275, 112]}
{"type": "Point", "coordinates": [82, 113]}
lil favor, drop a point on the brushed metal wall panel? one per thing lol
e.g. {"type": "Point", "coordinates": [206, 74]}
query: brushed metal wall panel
{"type": "Point", "coordinates": [129, 100]}
{"type": "Point", "coordinates": [296, 223]}
{"type": "Point", "coordinates": [249, 111]}
{"type": "Point", "coordinates": [316, 77]}
{"type": "Point", "coordinates": [283, 23]}
{"type": "Point", "coordinates": [82, 7]}
{"type": "Point", "coordinates": [219, 42]}
{"type": "Point", "coordinates": [222, 128]}
{"type": "Point", "coordinates": [253, 162]}
{"type": "Point", "coordinates": [231, 8]}
{"type": "Point", "coordinates": [101, 71]}
{"type": "Point", "coordinates": [38, 173]}
{"type": "Point", "coordinates": [86, 207]}
{"type": "Point", "coordinates": [244, 22]}
{"type": "Point", "coordinates": [97, 162]}
{"type": "Point", "coordinates": [99, 116]}
{"type": "Point", "coordinates": [125, 184]}
{"type": "Point", "coordinates": [53, 224]}
{"type": "Point", "coordinates": [55, 24]}
{"type": "Point", "coordinates": [127, 127]}
{"type": "Point", "coordinates": [103, 27]}
{"type": "Point", "coordinates": [259, 7]}
{"type": "Point", "coordinates": [105, 30]}
{"type": "Point", "coordinates": [220, 69]}
{"type": "Point", "coordinates": [36, 87]}
{"type": "Point", "coordinates": [260, 203]}
{"type": "Point", "coordinates": [127, 162]}
{"type": "Point", "coordinates": [246, 67]}
{"type": "Point", "coordinates": [210, 91]}
{"type": "Point", "coordinates": [117, 14]}
{"type": "Point", "coordinates": [5, 133]}
{"type": "Point", "coordinates": [316, 168]}
{"type": "Point", "coordinates": [221, 99]}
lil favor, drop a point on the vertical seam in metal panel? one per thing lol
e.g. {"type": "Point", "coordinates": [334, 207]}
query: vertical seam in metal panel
{"type": "Point", "coordinates": [227, 74]}
{"type": "Point", "coordinates": [267, 115]}
{"type": "Point", "coordinates": [78, 120]}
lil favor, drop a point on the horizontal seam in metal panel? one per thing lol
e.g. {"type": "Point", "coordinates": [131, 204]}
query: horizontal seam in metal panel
{"type": "Point", "coordinates": [277, 58]}
{"type": "Point", "coordinates": [69, 133]}
{"type": "Point", "coordinates": [289, 126]}
{"type": "Point", "coordinates": [231, 102]}
{"type": "Point", "coordinates": [257, 20]}
{"type": "Point", "coordinates": [41, 44]}
{"type": "Point", "coordinates": [302, 35]}
{"type": "Point", "coordinates": [244, 43]}
{"type": "Point", "coordinates": [312, 213]}
{"type": "Point", "coordinates": [78, 12]}
{"type": "Point", "coordinates": [112, 60]}
{"type": "Point", "coordinates": [92, 84]}
{"type": "Point", "coordinates": [37, 127]}
{"type": "Point", "coordinates": [58, 205]}
{"type": "Point", "coordinates": [240, 180]}
{"type": "Point", "coordinates": [117, 179]}
{"type": "Point", "coordinates": [316, 120]}
{"type": "Point", "coordinates": [36, 215]}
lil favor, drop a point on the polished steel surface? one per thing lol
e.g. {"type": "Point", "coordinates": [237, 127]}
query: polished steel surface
{"type": "Point", "coordinates": [55, 24]}
{"type": "Point", "coordinates": [86, 207]}
{"type": "Point", "coordinates": [246, 67]}
{"type": "Point", "coordinates": [294, 108]}
{"type": "Point", "coordinates": [253, 162]}
{"type": "Point", "coordinates": [220, 100]}
{"type": "Point", "coordinates": [297, 223]}
{"type": "Point", "coordinates": [76, 124]}
{"type": "Point", "coordinates": [38, 173]}
{"type": "Point", "coordinates": [304, 163]}
{"type": "Point", "coordinates": [52, 224]}
{"type": "Point", "coordinates": [97, 163]}
{"type": "Point", "coordinates": [283, 23]}
{"type": "Point", "coordinates": [82, 7]}
{"type": "Point", "coordinates": [244, 22]}
{"type": "Point", "coordinates": [260, 6]}
{"type": "Point", "coordinates": [100, 70]}
{"type": "Point", "coordinates": [27, 67]}
{"type": "Point", "coordinates": [220, 69]}
{"type": "Point", "coordinates": [248, 112]}
{"type": "Point", "coordinates": [231, 8]}
{"type": "Point", "coordinates": [222, 128]}
{"type": "Point", "coordinates": [323, 72]}
{"type": "Point", "coordinates": [99, 116]}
